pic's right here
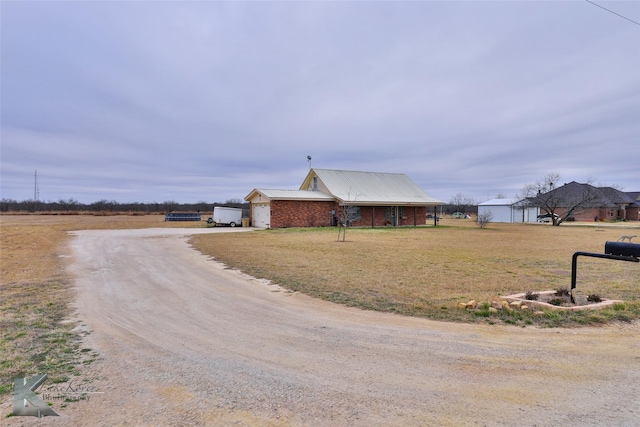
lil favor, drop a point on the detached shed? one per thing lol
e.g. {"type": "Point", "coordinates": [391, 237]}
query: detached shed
{"type": "Point", "coordinates": [273, 208]}
{"type": "Point", "coordinates": [508, 210]}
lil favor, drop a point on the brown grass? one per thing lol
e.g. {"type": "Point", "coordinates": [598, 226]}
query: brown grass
{"type": "Point", "coordinates": [31, 245]}
{"type": "Point", "coordinates": [426, 271]}
{"type": "Point", "coordinates": [35, 292]}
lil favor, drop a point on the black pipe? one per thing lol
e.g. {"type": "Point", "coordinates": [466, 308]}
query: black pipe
{"type": "Point", "coordinates": [574, 264]}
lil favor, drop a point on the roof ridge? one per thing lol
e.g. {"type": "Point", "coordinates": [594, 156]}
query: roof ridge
{"type": "Point", "coordinates": [352, 171]}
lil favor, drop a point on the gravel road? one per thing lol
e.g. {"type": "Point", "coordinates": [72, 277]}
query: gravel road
{"type": "Point", "coordinates": [185, 341]}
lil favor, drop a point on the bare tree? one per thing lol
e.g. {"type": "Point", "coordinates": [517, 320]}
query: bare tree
{"type": "Point", "coordinates": [484, 219]}
{"type": "Point", "coordinates": [461, 200]}
{"type": "Point", "coordinates": [347, 213]}
{"type": "Point", "coordinates": [235, 202]}
{"type": "Point", "coordinates": [70, 204]}
{"type": "Point", "coordinates": [560, 202]}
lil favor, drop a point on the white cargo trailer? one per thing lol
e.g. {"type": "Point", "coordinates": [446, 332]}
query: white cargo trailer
{"type": "Point", "coordinates": [226, 216]}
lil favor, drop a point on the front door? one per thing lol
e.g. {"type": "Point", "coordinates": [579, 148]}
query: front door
{"type": "Point", "coordinates": [391, 215]}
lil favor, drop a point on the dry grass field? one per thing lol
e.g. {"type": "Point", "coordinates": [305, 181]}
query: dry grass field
{"type": "Point", "coordinates": [35, 292]}
{"type": "Point", "coordinates": [31, 245]}
{"type": "Point", "coordinates": [415, 271]}
{"type": "Point", "coordinates": [427, 271]}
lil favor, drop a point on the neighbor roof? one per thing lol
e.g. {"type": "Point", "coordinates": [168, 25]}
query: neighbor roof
{"type": "Point", "coordinates": [370, 188]}
{"type": "Point", "coordinates": [616, 196]}
{"type": "Point", "coordinates": [499, 202]}
{"type": "Point", "coordinates": [600, 196]}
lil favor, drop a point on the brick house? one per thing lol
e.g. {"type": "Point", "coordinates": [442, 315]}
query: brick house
{"type": "Point", "coordinates": [375, 200]}
{"type": "Point", "coordinates": [604, 203]}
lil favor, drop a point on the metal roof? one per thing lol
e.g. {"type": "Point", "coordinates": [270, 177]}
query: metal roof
{"type": "Point", "coordinates": [499, 202]}
{"type": "Point", "coordinates": [290, 194]}
{"type": "Point", "coordinates": [370, 188]}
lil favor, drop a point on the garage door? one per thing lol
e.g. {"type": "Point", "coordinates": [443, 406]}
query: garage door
{"type": "Point", "coordinates": [261, 215]}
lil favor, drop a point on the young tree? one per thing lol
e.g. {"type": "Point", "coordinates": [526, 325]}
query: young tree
{"type": "Point", "coordinates": [484, 219]}
{"type": "Point", "coordinates": [346, 215]}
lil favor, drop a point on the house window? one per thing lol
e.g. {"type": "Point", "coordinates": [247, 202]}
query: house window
{"type": "Point", "coordinates": [352, 213]}
{"type": "Point", "coordinates": [357, 215]}
{"type": "Point", "coordinates": [389, 212]}
{"type": "Point", "coordinates": [314, 186]}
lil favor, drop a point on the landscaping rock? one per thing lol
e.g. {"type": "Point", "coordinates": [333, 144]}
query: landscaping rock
{"type": "Point", "coordinates": [579, 297]}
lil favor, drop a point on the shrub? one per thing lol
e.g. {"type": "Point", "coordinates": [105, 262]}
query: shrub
{"type": "Point", "coordinates": [594, 298]}
{"type": "Point", "coordinates": [531, 296]}
{"type": "Point", "coordinates": [484, 219]}
{"type": "Point", "coordinates": [557, 301]}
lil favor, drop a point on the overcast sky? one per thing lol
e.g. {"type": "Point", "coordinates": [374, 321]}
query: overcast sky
{"type": "Point", "coordinates": [151, 101]}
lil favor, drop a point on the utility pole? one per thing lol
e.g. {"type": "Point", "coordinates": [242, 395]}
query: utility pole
{"type": "Point", "coordinates": [36, 190]}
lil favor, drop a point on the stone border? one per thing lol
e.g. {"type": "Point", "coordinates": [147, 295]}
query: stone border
{"type": "Point", "coordinates": [521, 298]}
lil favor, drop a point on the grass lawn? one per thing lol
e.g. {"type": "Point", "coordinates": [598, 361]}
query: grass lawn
{"type": "Point", "coordinates": [427, 271]}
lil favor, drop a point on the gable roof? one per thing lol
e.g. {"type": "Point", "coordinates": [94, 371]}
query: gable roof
{"type": "Point", "coordinates": [604, 197]}
{"type": "Point", "coordinates": [616, 196]}
{"type": "Point", "coordinates": [499, 202]}
{"type": "Point", "coordinates": [635, 195]}
{"type": "Point", "coordinates": [369, 188]}
{"type": "Point", "coordinates": [271, 194]}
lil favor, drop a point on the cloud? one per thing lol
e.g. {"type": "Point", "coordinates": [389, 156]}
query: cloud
{"type": "Point", "coordinates": [189, 101]}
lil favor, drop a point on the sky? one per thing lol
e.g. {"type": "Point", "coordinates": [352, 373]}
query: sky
{"type": "Point", "coordinates": [153, 101]}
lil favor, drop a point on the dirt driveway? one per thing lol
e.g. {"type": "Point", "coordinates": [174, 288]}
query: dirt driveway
{"type": "Point", "coordinates": [184, 341]}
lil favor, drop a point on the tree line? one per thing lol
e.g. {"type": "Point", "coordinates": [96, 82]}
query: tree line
{"type": "Point", "coordinates": [73, 206]}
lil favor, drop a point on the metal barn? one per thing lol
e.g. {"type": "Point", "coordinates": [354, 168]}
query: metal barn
{"type": "Point", "coordinates": [508, 210]}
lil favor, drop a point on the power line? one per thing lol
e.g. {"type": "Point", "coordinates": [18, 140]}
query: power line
{"type": "Point", "coordinates": [611, 11]}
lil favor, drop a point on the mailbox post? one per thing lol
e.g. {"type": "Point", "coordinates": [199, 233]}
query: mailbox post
{"type": "Point", "coordinates": [620, 251]}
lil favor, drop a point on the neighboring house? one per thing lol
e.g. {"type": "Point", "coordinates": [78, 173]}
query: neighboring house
{"type": "Point", "coordinates": [378, 199]}
{"type": "Point", "coordinates": [508, 210]}
{"type": "Point", "coordinates": [633, 210]}
{"type": "Point", "coordinates": [603, 203]}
